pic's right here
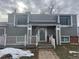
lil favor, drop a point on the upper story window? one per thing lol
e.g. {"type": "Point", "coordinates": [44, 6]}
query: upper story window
{"type": "Point", "coordinates": [21, 19]}
{"type": "Point", "coordinates": [65, 20]}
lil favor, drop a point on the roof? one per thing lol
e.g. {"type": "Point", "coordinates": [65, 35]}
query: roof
{"type": "Point", "coordinates": [43, 14]}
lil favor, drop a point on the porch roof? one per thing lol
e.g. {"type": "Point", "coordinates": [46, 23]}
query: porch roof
{"type": "Point", "coordinates": [44, 24]}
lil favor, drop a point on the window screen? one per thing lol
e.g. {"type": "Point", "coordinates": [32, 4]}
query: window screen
{"type": "Point", "coordinates": [21, 19]}
{"type": "Point", "coordinates": [65, 39]}
{"type": "Point", "coordinates": [65, 20]}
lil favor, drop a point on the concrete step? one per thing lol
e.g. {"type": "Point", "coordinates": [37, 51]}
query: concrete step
{"type": "Point", "coordinates": [42, 42]}
{"type": "Point", "coordinates": [44, 45]}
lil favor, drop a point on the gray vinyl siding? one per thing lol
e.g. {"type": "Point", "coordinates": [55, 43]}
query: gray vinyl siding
{"type": "Point", "coordinates": [16, 31]}
{"type": "Point", "coordinates": [71, 31]}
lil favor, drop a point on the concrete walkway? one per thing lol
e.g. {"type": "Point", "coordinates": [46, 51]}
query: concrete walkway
{"type": "Point", "coordinates": [47, 54]}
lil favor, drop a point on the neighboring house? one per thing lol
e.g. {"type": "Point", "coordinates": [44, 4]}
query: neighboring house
{"type": "Point", "coordinates": [28, 29]}
{"type": "Point", "coordinates": [78, 32]}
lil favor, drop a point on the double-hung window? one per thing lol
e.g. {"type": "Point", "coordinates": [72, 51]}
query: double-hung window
{"type": "Point", "coordinates": [65, 20]}
{"type": "Point", "coordinates": [65, 39]}
{"type": "Point", "coordinates": [21, 20]}
{"type": "Point", "coordinates": [20, 39]}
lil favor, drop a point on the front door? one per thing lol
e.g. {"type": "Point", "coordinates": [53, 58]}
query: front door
{"type": "Point", "coordinates": [42, 34]}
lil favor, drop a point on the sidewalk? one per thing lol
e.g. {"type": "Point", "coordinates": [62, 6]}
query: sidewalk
{"type": "Point", "coordinates": [47, 54]}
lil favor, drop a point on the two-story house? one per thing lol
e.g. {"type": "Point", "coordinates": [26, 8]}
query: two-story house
{"type": "Point", "coordinates": [24, 29]}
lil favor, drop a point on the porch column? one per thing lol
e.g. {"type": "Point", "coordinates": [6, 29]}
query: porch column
{"type": "Point", "coordinates": [25, 41]}
{"type": "Point", "coordinates": [58, 35]}
{"type": "Point", "coordinates": [29, 34]}
{"type": "Point", "coordinates": [5, 35]}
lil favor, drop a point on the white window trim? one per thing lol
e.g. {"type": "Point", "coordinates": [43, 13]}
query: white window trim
{"type": "Point", "coordinates": [71, 21]}
{"type": "Point", "coordinates": [65, 36]}
{"type": "Point", "coordinates": [66, 25]}
{"type": "Point", "coordinates": [18, 25]}
{"type": "Point", "coordinates": [21, 25]}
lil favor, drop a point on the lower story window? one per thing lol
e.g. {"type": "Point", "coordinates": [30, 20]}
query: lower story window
{"type": "Point", "coordinates": [20, 39]}
{"type": "Point", "coordinates": [65, 39]}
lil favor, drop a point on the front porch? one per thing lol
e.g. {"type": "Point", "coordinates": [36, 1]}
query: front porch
{"type": "Point", "coordinates": [32, 37]}
{"type": "Point", "coordinates": [44, 32]}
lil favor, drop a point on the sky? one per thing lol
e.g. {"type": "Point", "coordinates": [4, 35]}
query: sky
{"type": "Point", "coordinates": [38, 6]}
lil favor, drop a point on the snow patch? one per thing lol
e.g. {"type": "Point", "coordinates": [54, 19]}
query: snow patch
{"type": "Point", "coordinates": [16, 53]}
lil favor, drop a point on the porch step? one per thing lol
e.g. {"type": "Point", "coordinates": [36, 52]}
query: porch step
{"type": "Point", "coordinates": [44, 45]}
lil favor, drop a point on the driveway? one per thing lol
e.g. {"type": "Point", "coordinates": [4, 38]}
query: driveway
{"type": "Point", "coordinates": [47, 54]}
